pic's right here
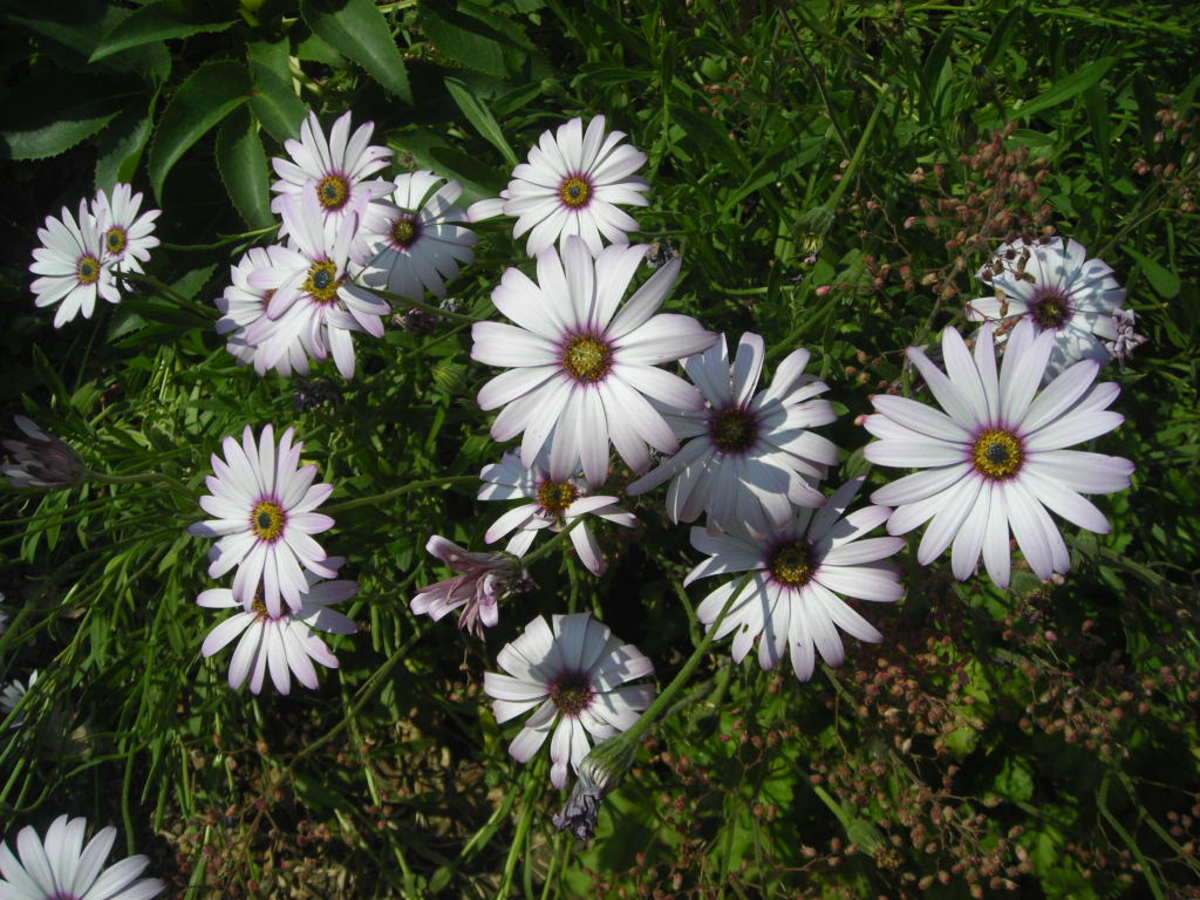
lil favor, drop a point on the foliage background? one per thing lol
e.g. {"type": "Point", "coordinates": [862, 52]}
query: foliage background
{"type": "Point", "coordinates": [832, 175]}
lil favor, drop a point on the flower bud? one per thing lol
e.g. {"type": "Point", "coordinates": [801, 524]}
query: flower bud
{"type": "Point", "coordinates": [43, 461]}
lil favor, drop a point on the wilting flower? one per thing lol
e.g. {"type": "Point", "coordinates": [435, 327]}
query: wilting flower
{"type": "Point", "coordinates": [126, 236]}
{"type": "Point", "coordinates": [576, 676]}
{"type": "Point", "coordinates": [570, 187]}
{"type": "Point", "coordinates": [14, 692]}
{"type": "Point", "coordinates": [1052, 283]}
{"type": "Point", "coordinates": [557, 503]}
{"type": "Point", "coordinates": [263, 508]}
{"type": "Point", "coordinates": [579, 369]}
{"type": "Point", "coordinates": [995, 457]}
{"type": "Point", "coordinates": [62, 868]}
{"type": "Point", "coordinates": [242, 306]}
{"type": "Point", "coordinates": [751, 455]}
{"type": "Point", "coordinates": [1127, 339]}
{"type": "Point", "coordinates": [485, 580]}
{"type": "Point", "coordinates": [72, 267]}
{"type": "Point", "coordinates": [42, 461]}
{"type": "Point", "coordinates": [333, 173]}
{"type": "Point", "coordinates": [600, 773]}
{"type": "Point", "coordinates": [799, 568]}
{"type": "Point", "coordinates": [283, 643]}
{"type": "Point", "coordinates": [412, 242]}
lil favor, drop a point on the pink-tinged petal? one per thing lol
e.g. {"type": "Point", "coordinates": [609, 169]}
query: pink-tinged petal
{"type": "Point", "coordinates": [985, 365]}
{"type": "Point", "coordinates": [1064, 501]}
{"type": "Point", "coordinates": [1059, 395]}
{"type": "Point", "coordinates": [921, 418]}
{"type": "Point", "coordinates": [645, 301]}
{"type": "Point", "coordinates": [277, 660]}
{"type": "Point", "coordinates": [298, 658]}
{"type": "Point", "coordinates": [313, 497]}
{"type": "Point", "coordinates": [878, 583]}
{"type": "Point", "coordinates": [996, 557]}
{"type": "Point", "coordinates": [555, 397]}
{"type": "Point", "coordinates": [528, 741]}
{"type": "Point", "coordinates": [855, 553]}
{"type": "Point", "coordinates": [1027, 528]}
{"type": "Point", "coordinates": [665, 338]}
{"type": "Point", "coordinates": [518, 517]}
{"type": "Point", "coordinates": [91, 861]}
{"type": "Point", "coordinates": [528, 305]}
{"type": "Point", "coordinates": [658, 384]}
{"type": "Point", "coordinates": [560, 753]}
{"type": "Point", "coordinates": [963, 373]}
{"type": "Point", "coordinates": [1073, 428]}
{"type": "Point", "coordinates": [747, 367]}
{"type": "Point", "coordinates": [843, 615]}
{"type": "Point", "coordinates": [245, 655]}
{"type": "Point", "coordinates": [920, 485]}
{"type": "Point", "coordinates": [948, 394]}
{"type": "Point", "coordinates": [615, 268]}
{"type": "Point", "coordinates": [956, 506]}
{"type": "Point", "coordinates": [588, 550]}
{"type": "Point", "coordinates": [225, 632]}
{"type": "Point", "coordinates": [217, 598]}
{"type": "Point", "coordinates": [505, 687]}
{"type": "Point", "coordinates": [964, 553]}
{"type": "Point", "coordinates": [1022, 372]}
{"type": "Point", "coordinates": [498, 344]}
{"type": "Point", "coordinates": [1086, 473]}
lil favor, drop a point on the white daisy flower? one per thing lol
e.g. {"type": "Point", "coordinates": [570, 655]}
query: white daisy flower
{"type": "Point", "coordinates": [557, 502]}
{"type": "Point", "coordinates": [576, 676]}
{"type": "Point", "coordinates": [332, 172]}
{"type": "Point", "coordinates": [62, 868]}
{"type": "Point", "coordinates": [412, 242]}
{"type": "Point", "coordinates": [484, 580]}
{"type": "Point", "coordinates": [570, 187]}
{"type": "Point", "coordinates": [72, 267]}
{"type": "Point", "coordinates": [284, 643]}
{"type": "Point", "coordinates": [751, 455]}
{"type": "Point", "coordinates": [314, 303]}
{"type": "Point", "coordinates": [799, 569]}
{"type": "Point", "coordinates": [243, 306]}
{"type": "Point", "coordinates": [995, 457]}
{"type": "Point", "coordinates": [581, 370]}
{"type": "Point", "coordinates": [127, 237]}
{"type": "Point", "coordinates": [263, 508]}
{"type": "Point", "coordinates": [1052, 283]}
{"type": "Point", "coordinates": [14, 692]}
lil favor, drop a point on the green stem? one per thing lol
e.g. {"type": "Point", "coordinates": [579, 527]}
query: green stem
{"type": "Point", "coordinates": [427, 307]}
{"type": "Point", "coordinates": [552, 544]}
{"type": "Point", "coordinates": [138, 477]}
{"type": "Point", "coordinates": [534, 784]}
{"type": "Point", "coordinates": [222, 242]}
{"type": "Point", "coordinates": [400, 491]}
{"type": "Point", "coordinates": [169, 293]}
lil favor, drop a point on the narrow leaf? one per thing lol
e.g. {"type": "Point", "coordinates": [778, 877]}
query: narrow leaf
{"type": "Point", "coordinates": [481, 117]}
{"type": "Point", "coordinates": [1071, 86]}
{"type": "Point", "coordinates": [274, 102]}
{"type": "Point", "coordinates": [1163, 280]}
{"type": "Point", "coordinates": [69, 127]}
{"type": "Point", "coordinates": [358, 29]}
{"type": "Point", "coordinates": [242, 163]}
{"type": "Point", "coordinates": [159, 21]}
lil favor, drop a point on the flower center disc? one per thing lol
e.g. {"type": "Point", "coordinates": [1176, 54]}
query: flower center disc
{"type": "Point", "coordinates": [405, 232]}
{"type": "Point", "coordinates": [571, 693]}
{"type": "Point", "coordinates": [115, 240]}
{"type": "Point", "coordinates": [575, 192]}
{"type": "Point", "coordinates": [586, 358]}
{"type": "Point", "coordinates": [1050, 309]}
{"type": "Point", "coordinates": [555, 496]}
{"type": "Point", "coordinates": [733, 430]}
{"type": "Point", "coordinates": [997, 454]}
{"type": "Point", "coordinates": [792, 564]}
{"type": "Point", "coordinates": [333, 192]}
{"type": "Point", "coordinates": [267, 520]}
{"type": "Point", "coordinates": [87, 270]}
{"type": "Point", "coordinates": [322, 283]}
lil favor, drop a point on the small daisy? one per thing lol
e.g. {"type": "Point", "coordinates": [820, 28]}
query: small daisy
{"type": "Point", "coordinates": [557, 502]}
{"type": "Point", "coordinates": [314, 302]}
{"type": "Point", "coordinates": [333, 172]}
{"type": "Point", "coordinates": [996, 457]}
{"type": "Point", "coordinates": [72, 267]}
{"type": "Point", "coordinates": [575, 675]}
{"type": "Point", "coordinates": [263, 508]}
{"type": "Point", "coordinates": [799, 569]}
{"type": "Point", "coordinates": [14, 692]}
{"type": "Point", "coordinates": [62, 868]}
{"type": "Point", "coordinates": [1052, 283]}
{"type": "Point", "coordinates": [570, 187]}
{"type": "Point", "coordinates": [42, 460]}
{"type": "Point", "coordinates": [280, 643]}
{"type": "Point", "coordinates": [243, 306]}
{"type": "Point", "coordinates": [485, 580]}
{"type": "Point", "coordinates": [412, 243]}
{"type": "Point", "coordinates": [580, 370]}
{"type": "Point", "coordinates": [751, 456]}
{"type": "Point", "coordinates": [127, 237]}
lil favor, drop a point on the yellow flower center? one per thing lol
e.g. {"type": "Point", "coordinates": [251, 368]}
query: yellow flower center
{"type": "Point", "coordinates": [571, 693]}
{"type": "Point", "coordinates": [333, 191]}
{"type": "Point", "coordinates": [575, 192]}
{"type": "Point", "coordinates": [733, 430]}
{"type": "Point", "coordinates": [586, 358]}
{"type": "Point", "coordinates": [267, 519]}
{"type": "Point", "coordinates": [555, 496]}
{"type": "Point", "coordinates": [404, 231]}
{"type": "Point", "coordinates": [322, 282]}
{"type": "Point", "coordinates": [997, 454]}
{"type": "Point", "coordinates": [115, 240]}
{"type": "Point", "coordinates": [792, 564]}
{"type": "Point", "coordinates": [87, 270]}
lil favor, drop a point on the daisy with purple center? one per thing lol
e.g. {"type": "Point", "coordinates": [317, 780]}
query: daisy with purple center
{"type": "Point", "coordinates": [127, 237]}
{"type": "Point", "coordinates": [62, 868]}
{"type": "Point", "coordinates": [751, 456]}
{"type": "Point", "coordinates": [72, 266]}
{"type": "Point", "coordinates": [263, 508]}
{"type": "Point", "coordinates": [798, 569]}
{"type": "Point", "coordinates": [580, 370]}
{"type": "Point", "coordinates": [557, 503]}
{"type": "Point", "coordinates": [1051, 283]}
{"type": "Point", "coordinates": [571, 186]}
{"type": "Point", "coordinates": [484, 580]}
{"type": "Point", "coordinates": [996, 458]}
{"type": "Point", "coordinates": [284, 643]}
{"type": "Point", "coordinates": [575, 677]}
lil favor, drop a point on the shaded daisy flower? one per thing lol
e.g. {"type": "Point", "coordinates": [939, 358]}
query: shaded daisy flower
{"type": "Point", "coordinates": [62, 868]}
{"type": "Point", "coordinates": [751, 455]}
{"type": "Point", "coordinates": [996, 457]}
{"type": "Point", "coordinates": [485, 580]}
{"type": "Point", "coordinates": [263, 508]}
{"type": "Point", "coordinates": [1051, 283]}
{"type": "Point", "coordinates": [570, 187]}
{"type": "Point", "coordinates": [243, 306]}
{"type": "Point", "coordinates": [580, 370]}
{"type": "Point", "coordinates": [574, 677]}
{"type": "Point", "coordinates": [127, 237]}
{"type": "Point", "coordinates": [799, 569]}
{"type": "Point", "coordinates": [72, 266]}
{"type": "Point", "coordinates": [557, 502]}
{"type": "Point", "coordinates": [284, 643]}
{"type": "Point", "coordinates": [332, 172]}
{"type": "Point", "coordinates": [42, 460]}
{"type": "Point", "coordinates": [411, 243]}
{"type": "Point", "coordinates": [14, 692]}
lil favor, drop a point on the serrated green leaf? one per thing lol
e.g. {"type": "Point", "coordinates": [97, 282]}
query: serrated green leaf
{"type": "Point", "coordinates": [210, 94]}
{"type": "Point", "coordinates": [1070, 86]}
{"type": "Point", "coordinates": [458, 37]}
{"type": "Point", "coordinates": [120, 147]}
{"type": "Point", "coordinates": [481, 117]}
{"type": "Point", "coordinates": [69, 127]}
{"type": "Point", "coordinates": [358, 29]}
{"type": "Point", "coordinates": [242, 163]}
{"type": "Point", "coordinates": [1165, 282]}
{"type": "Point", "coordinates": [160, 21]}
{"type": "Point", "coordinates": [274, 102]}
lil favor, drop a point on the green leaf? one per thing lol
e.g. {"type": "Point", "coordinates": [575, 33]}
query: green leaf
{"type": "Point", "coordinates": [1163, 280]}
{"type": "Point", "coordinates": [358, 29]}
{"type": "Point", "coordinates": [242, 163]}
{"type": "Point", "coordinates": [457, 37]}
{"type": "Point", "coordinates": [159, 21]}
{"type": "Point", "coordinates": [481, 117]}
{"type": "Point", "coordinates": [210, 94]}
{"type": "Point", "coordinates": [1066, 88]}
{"type": "Point", "coordinates": [274, 102]}
{"type": "Point", "coordinates": [120, 147]}
{"type": "Point", "coordinates": [1014, 782]}
{"type": "Point", "coordinates": [432, 151]}
{"type": "Point", "coordinates": [39, 139]}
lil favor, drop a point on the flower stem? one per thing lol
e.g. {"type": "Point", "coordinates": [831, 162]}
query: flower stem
{"type": "Point", "coordinates": [138, 477]}
{"type": "Point", "coordinates": [551, 544]}
{"type": "Point", "coordinates": [400, 491]}
{"type": "Point", "coordinates": [421, 304]}
{"type": "Point", "coordinates": [169, 293]}
{"type": "Point", "coordinates": [217, 245]}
